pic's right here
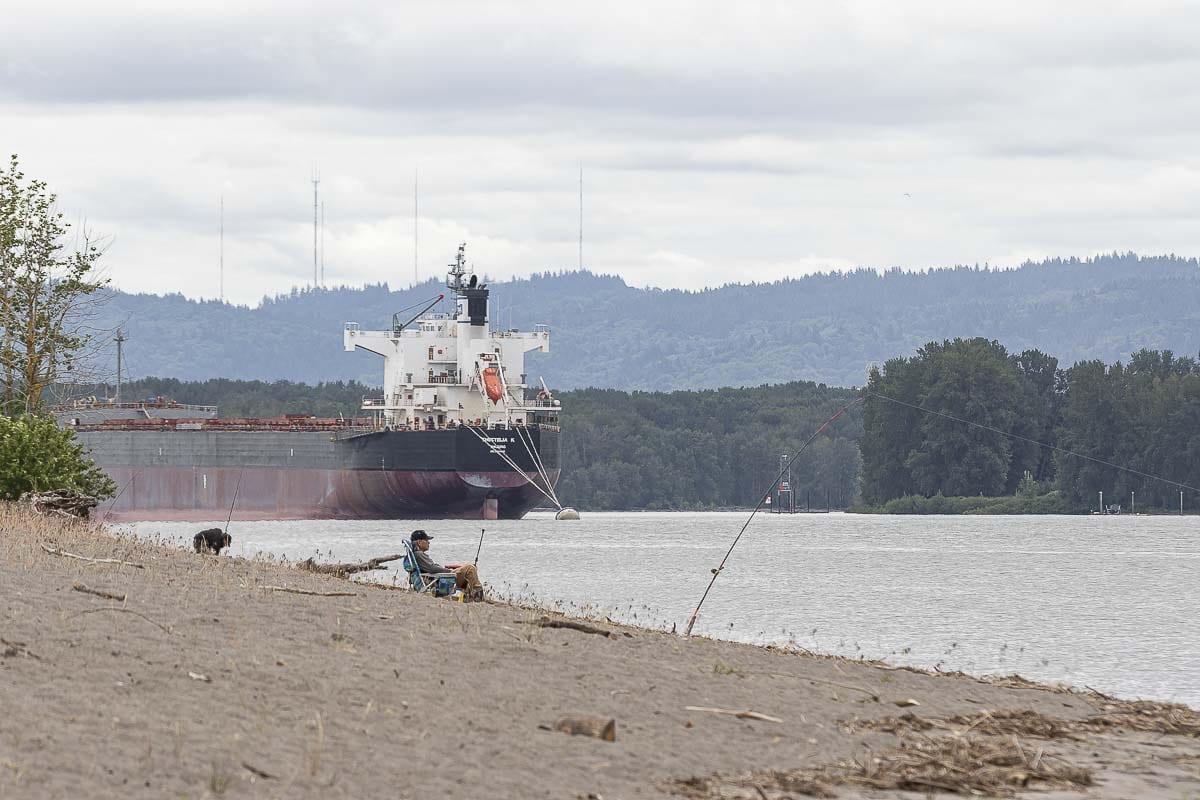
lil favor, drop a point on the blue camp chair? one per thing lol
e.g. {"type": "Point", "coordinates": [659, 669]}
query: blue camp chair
{"type": "Point", "coordinates": [441, 585]}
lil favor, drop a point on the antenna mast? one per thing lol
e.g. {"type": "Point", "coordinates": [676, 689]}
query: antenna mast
{"type": "Point", "coordinates": [322, 242]}
{"type": "Point", "coordinates": [416, 208]}
{"type": "Point", "coordinates": [120, 341]}
{"type": "Point", "coordinates": [581, 216]}
{"type": "Point", "coordinates": [222, 251]}
{"type": "Point", "coordinates": [316, 180]}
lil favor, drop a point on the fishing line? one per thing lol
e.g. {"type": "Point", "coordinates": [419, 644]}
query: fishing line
{"type": "Point", "coordinates": [779, 477]}
{"type": "Point", "coordinates": [236, 490]}
{"type": "Point", "coordinates": [1018, 437]}
{"type": "Point", "coordinates": [118, 497]}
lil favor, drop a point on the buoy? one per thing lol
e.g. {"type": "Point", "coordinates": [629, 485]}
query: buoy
{"type": "Point", "coordinates": [567, 513]}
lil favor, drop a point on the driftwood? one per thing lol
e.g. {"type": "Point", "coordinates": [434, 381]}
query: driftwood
{"type": "Point", "coordinates": [342, 570]}
{"type": "Point", "coordinates": [17, 649]}
{"type": "Point", "coordinates": [290, 590]}
{"type": "Point", "coordinates": [598, 727]}
{"type": "Point", "coordinates": [90, 560]}
{"type": "Point", "coordinates": [79, 587]}
{"type": "Point", "coordinates": [548, 622]}
{"type": "Point", "coordinates": [730, 712]}
{"type": "Point", "coordinates": [63, 502]}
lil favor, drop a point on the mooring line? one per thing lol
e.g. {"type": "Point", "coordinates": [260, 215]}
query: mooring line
{"type": "Point", "coordinates": [508, 460]}
{"type": "Point", "coordinates": [779, 477]}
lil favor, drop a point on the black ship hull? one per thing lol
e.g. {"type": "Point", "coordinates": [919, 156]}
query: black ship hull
{"type": "Point", "coordinates": [178, 474]}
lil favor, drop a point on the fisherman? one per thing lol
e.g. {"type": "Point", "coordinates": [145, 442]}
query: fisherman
{"type": "Point", "coordinates": [466, 577]}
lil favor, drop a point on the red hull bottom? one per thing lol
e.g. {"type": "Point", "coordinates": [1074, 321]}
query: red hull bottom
{"type": "Point", "coordinates": [198, 494]}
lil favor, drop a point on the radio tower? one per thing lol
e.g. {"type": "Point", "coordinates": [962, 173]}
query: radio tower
{"type": "Point", "coordinates": [580, 216]}
{"type": "Point", "coordinates": [322, 242]}
{"type": "Point", "coordinates": [222, 254]}
{"type": "Point", "coordinates": [316, 181]}
{"type": "Point", "coordinates": [415, 218]}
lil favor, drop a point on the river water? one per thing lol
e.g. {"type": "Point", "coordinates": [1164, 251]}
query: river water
{"type": "Point", "coordinates": [1106, 602]}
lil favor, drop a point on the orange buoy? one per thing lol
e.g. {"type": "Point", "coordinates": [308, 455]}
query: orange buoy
{"type": "Point", "coordinates": [491, 383]}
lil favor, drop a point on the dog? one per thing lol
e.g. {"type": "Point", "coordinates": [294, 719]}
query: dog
{"type": "Point", "coordinates": [211, 541]}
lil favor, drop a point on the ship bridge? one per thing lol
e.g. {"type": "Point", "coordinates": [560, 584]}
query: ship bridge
{"type": "Point", "coordinates": [446, 370]}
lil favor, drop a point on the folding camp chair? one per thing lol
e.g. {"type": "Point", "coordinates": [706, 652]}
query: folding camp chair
{"type": "Point", "coordinates": [441, 585]}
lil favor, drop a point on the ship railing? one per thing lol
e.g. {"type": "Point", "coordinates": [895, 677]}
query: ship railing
{"type": "Point", "coordinates": [374, 402]}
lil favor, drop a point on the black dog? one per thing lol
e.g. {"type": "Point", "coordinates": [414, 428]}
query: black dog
{"type": "Point", "coordinates": [211, 541]}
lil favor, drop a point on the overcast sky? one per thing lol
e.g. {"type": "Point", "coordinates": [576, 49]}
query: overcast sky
{"type": "Point", "coordinates": [719, 141]}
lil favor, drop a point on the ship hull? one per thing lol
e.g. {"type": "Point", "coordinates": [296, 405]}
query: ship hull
{"type": "Point", "coordinates": [199, 475]}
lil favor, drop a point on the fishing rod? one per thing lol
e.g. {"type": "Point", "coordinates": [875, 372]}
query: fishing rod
{"type": "Point", "coordinates": [236, 490]}
{"type": "Point", "coordinates": [779, 477]}
{"type": "Point", "coordinates": [1026, 439]}
{"type": "Point", "coordinates": [480, 547]}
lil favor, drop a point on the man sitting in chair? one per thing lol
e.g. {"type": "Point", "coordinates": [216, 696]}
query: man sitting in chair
{"type": "Point", "coordinates": [466, 577]}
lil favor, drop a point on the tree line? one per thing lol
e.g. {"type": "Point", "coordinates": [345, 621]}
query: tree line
{"type": "Point", "coordinates": [966, 418]}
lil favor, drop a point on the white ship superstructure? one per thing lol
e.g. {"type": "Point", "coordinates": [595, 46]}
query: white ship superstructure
{"type": "Point", "coordinates": [443, 370]}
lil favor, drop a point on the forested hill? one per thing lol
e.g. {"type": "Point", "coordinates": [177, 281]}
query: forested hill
{"type": "Point", "coordinates": [825, 328]}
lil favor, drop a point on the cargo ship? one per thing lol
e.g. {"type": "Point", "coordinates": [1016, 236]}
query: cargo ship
{"type": "Point", "coordinates": [457, 432]}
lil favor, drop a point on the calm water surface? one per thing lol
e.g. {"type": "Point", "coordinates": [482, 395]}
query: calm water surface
{"type": "Point", "coordinates": [1106, 602]}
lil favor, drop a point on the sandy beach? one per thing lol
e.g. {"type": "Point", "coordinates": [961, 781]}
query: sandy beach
{"type": "Point", "coordinates": [210, 680]}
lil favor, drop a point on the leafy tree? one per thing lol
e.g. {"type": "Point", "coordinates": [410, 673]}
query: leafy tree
{"type": "Point", "coordinates": [37, 455]}
{"type": "Point", "coordinates": [44, 291]}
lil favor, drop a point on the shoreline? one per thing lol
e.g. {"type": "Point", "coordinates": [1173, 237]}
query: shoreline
{"type": "Point", "coordinates": [214, 677]}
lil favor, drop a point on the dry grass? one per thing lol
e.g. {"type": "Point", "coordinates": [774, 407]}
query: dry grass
{"type": "Point", "coordinates": [973, 765]}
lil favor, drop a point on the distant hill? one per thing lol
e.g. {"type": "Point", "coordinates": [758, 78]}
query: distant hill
{"type": "Point", "coordinates": [827, 328]}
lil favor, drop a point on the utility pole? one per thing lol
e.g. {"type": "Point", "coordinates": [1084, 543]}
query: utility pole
{"type": "Point", "coordinates": [120, 341]}
{"type": "Point", "coordinates": [316, 181]}
{"type": "Point", "coordinates": [1133, 502]}
{"type": "Point", "coordinates": [1181, 502]}
{"type": "Point", "coordinates": [1101, 502]}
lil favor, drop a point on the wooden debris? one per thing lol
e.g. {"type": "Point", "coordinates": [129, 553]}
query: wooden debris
{"type": "Point", "coordinates": [63, 502]}
{"type": "Point", "coordinates": [79, 587]}
{"type": "Point", "coordinates": [196, 676]}
{"type": "Point", "coordinates": [290, 590]}
{"type": "Point", "coordinates": [549, 622]}
{"type": "Point", "coordinates": [256, 771]}
{"type": "Point", "coordinates": [598, 727]}
{"type": "Point", "coordinates": [17, 649]}
{"type": "Point", "coordinates": [64, 554]}
{"type": "Point", "coordinates": [732, 712]}
{"type": "Point", "coordinates": [342, 570]}
{"type": "Point", "coordinates": [1142, 715]}
{"type": "Point", "coordinates": [971, 765]}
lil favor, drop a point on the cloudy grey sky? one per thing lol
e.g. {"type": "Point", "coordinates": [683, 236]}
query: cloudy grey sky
{"type": "Point", "coordinates": [720, 141]}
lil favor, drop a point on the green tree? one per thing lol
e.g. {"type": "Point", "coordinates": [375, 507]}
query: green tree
{"type": "Point", "coordinates": [45, 286]}
{"type": "Point", "coordinates": [37, 455]}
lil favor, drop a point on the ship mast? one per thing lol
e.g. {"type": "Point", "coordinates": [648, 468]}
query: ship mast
{"type": "Point", "coordinates": [454, 278]}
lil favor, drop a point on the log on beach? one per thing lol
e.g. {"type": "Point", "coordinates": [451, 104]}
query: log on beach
{"type": "Point", "coordinates": [344, 569]}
